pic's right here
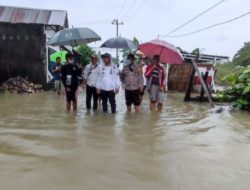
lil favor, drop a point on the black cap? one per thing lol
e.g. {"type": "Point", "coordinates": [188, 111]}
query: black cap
{"type": "Point", "coordinates": [105, 55]}
{"type": "Point", "coordinates": [156, 57]}
{"type": "Point", "coordinates": [131, 55]}
{"type": "Point", "coordinates": [69, 56]}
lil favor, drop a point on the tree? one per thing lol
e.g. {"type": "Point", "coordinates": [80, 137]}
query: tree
{"type": "Point", "coordinates": [196, 51]}
{"type": "Point", "coordinates": [85, 51]}
{"type": "Point", "coordinates": [136, 41]}
{"type": "Point", "coordinates": [125, 52]}
{"type": "Point", "coordinates": [242, 57]}
{"type": "Point", "coordinates": [181, 50]}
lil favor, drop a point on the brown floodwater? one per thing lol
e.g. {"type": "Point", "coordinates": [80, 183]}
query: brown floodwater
{"type": "Point", "coordinates": [187, 147]}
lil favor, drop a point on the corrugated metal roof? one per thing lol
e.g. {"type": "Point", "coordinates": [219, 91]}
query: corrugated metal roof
{"type": "Point", "coordinates": [33, 16]}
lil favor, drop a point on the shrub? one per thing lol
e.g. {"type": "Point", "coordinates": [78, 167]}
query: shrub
{"type": "Point", "coordinates": [239, 93]}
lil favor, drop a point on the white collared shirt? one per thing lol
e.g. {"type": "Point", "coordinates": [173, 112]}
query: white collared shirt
{"type": "Point", "coordinates": [108, 78]}
{"type": "Point", "coordinates": [90, 74]}
{"type": "Point", "coordinates": [144, 66]}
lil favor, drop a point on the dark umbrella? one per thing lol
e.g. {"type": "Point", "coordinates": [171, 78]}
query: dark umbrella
{"type": "Point", "coordinates": [119, 43]}
{"type": "Point", "coordinates": [73, 37]}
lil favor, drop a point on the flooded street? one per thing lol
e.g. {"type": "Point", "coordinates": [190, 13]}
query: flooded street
{"type": "Point", "coordinates": [186, 147]}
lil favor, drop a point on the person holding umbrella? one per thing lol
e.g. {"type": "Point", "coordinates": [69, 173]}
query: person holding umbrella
{"type": "Point", "coordinates": [70, 73]}
{"type": "Point", "coordinates": [90, 77]}
{"type": "Point", "coordinates": [108, 83]}
{"type": "Point", "coordinates": [133, 77]}
{"type": "Point", "coordinates": [156, 76]}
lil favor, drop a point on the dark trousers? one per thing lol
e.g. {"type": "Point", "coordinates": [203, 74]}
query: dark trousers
{"type": "Point", "coordinates": [108, 96]}
{"type": "Point", "coordinates": [91, 92]}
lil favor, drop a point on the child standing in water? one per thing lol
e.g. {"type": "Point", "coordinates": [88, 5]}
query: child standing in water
{"type": "Point", "coordinates": [70, 73]}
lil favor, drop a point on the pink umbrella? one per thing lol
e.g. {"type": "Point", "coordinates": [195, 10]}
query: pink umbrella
{"type": "Point", "coordinates": [168, 52]}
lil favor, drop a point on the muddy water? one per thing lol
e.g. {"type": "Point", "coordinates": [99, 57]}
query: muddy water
{"type": "Point", "coordinates": [186, 147]}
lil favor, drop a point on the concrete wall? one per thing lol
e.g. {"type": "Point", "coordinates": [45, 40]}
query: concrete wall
{"type": "Point", "coordinates": [22, 52]}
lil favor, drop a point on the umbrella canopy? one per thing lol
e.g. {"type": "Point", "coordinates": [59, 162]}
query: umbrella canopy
{"type": "Point", "coordinates": [119, 43]}
{"type": "Point", "coordinates": [57, 54]}
{"type": "Point", "coordinates": [168, 53]}
{"type": "Point", "coordinates": [73, 37]}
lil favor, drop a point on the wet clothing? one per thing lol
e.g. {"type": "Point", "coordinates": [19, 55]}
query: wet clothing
{"type": "Point", "coordinates": [108, 96]}
{"type": "Point", "coordinates": [156, 95]}
{"type": "Point", "coordinates": [155, 80]}
{"type": "Point", "coordinates": [71, 96]}
{"type": "Point", "coordinates": [70, 74]}
{"type": "Point", "coordinates": [151, 74]}
{"type": "Point", "coordinates": [91, 92]}
{"type": "Point", "coordinates": [108, 78]}
{"type": "Point", "coordinates": [90, 75]}
{"type": "Point", "coordinates": [132, 97]}
{"type": "Point", "coordinates": [133, 77]}
{"type": "Point", "coordinates": [155, 77]}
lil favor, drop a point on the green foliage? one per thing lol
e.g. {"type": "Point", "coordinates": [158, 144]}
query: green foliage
{"type": "Point", "coordinates": [225, 73]}
{"type": "Point", "coordinates": [136, 41]}
{"type": "Point", "coordinates": [239, 93]}
{"type": "Point", "coordinates": [242, 57]}
{"type": "Point", "coordinates": [181, 50]}
{"type": "Point", "coordinates": [196, 51]}
{"type": "Point", "coordinates": [125, 52]}
{"type": "Point", "coordinates": [231, 78]}
{"type": "Point", "coordinates": [85, 51]}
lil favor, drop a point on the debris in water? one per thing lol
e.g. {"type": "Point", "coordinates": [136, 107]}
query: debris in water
{"type": "Point", "coordinates": [20, 85]}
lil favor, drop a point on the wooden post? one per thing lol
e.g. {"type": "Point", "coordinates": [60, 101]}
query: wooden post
{"type": "Point", "coordinates": [203, 83]}
{"type": "Point", "coordinates": [205, 77]}
{"type": "Point", "coordinates": [190, 85]}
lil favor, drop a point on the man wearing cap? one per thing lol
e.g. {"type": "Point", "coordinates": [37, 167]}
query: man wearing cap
{"type": "Point", "coordinates": [90, 77]}
{"type": "Point", "coordinates": [108, 83]}
{"type": "Point", "coordinates": [156, 76]}
{"type": "Point", "coordinates": [133, 77]}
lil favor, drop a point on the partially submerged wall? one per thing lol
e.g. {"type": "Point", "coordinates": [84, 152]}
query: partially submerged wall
{"type": "Point", "coordinates": [22, 52]}
{"type": "Point", "coordinates": [179, 77]}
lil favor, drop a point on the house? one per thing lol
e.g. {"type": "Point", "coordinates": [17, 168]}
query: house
{"type": "Point", "coordinates": [178, 75]}
{"type": "Point", "coordinates": [23, 36]}
{"type": "Point", "coordinates": [204, 58]}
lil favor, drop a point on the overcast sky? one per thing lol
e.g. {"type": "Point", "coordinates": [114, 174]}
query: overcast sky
{"type": "Point", "coordinates": [145, 19]}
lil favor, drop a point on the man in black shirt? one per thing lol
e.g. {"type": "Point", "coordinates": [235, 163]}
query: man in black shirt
{"type": "Point", "coordinates": [70, 73]}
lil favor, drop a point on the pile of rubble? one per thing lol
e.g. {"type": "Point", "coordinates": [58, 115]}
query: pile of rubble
{"type": "Point", "coordinates": [19, 85]}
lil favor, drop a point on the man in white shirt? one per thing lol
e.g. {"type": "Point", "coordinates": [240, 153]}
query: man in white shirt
{"type": "Point", "coordinates": [90, 78]}
{"type": "Point", "coordinates": [108, 83]}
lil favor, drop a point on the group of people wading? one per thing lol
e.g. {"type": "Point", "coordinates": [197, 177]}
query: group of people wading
{"type": "Point", "coordinates": [103, 81]}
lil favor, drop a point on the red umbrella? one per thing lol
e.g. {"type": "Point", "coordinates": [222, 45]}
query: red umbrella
{"type": "Point", "coordinates": [168, 52]}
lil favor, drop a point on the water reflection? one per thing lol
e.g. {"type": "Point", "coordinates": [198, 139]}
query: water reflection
{"type": "Point", "coordinates": [185, 147]}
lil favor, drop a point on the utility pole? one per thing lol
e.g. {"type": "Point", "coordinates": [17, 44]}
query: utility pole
{"type": "Point", "coordinates": [117, 23]}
